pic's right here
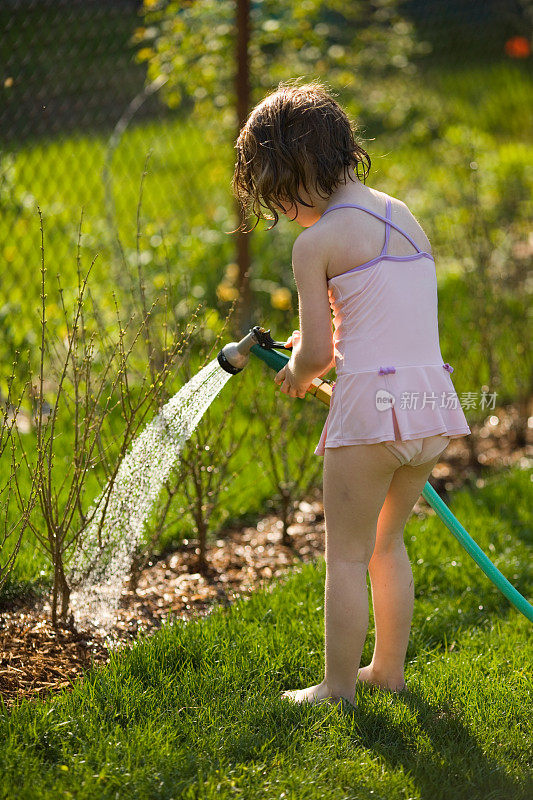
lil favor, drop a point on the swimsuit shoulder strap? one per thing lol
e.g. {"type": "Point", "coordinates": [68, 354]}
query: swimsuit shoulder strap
{"type": "Point", "coordinates": [388, 214]}
{"type": "Point", "coordinates": [386, 219]}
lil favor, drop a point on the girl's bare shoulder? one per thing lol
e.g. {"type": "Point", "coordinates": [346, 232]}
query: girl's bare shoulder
{"type": "Point", "coordinates": [310, 246]}
{"type": "Point", "coordinates": [346, 240]}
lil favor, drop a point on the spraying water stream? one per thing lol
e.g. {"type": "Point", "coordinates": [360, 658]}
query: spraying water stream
{"type": "Point", "coordinates": [101, 565]}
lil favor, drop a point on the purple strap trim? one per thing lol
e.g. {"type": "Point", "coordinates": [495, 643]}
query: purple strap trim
{"type": "Point", "coordinates": [375, 214]}
{"type": "Point", "coordinates": [387, 227]}
{"type": "Point", "coordinates": [387, 370]}
{"type": "Point", "coordinates": [381, 258]}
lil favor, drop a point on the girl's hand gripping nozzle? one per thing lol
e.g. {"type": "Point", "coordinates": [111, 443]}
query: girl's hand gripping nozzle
{"type": "Point", "coordinates": [235, 355]}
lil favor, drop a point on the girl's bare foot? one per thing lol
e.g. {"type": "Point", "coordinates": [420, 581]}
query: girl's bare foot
{"type": "Point", "coordinates": [315, 695]}
{"type": "Point", "coordinates": [368, 676]}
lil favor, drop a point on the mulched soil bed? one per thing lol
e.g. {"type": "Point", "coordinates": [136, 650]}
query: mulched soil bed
{"type": "Point", "coordinates": [37, 660]}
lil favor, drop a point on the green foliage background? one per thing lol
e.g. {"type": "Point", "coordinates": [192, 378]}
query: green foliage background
{"type": "Point", "coordinates": [451, 140]}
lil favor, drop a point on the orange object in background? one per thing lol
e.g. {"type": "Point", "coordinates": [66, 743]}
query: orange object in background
{"type": "Point", "coordinates": [518, 47]}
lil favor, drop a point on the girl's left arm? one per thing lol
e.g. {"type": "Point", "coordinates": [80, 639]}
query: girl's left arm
{"type": "Point", "coordinates": [313, 352]}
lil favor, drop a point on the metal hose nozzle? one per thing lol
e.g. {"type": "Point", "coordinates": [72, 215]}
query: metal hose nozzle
{"type": "Point", "coordinates": [234, 356]}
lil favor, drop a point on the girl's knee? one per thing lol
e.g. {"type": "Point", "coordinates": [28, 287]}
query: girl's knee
{"type": "Point", "coordinates": [389, 546]}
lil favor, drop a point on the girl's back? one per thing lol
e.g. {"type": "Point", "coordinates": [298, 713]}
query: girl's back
{"type": "Point", "coordinates": [355, 237]}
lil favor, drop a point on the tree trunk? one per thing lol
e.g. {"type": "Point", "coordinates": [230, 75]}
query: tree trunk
{"type": "Point", "coordinates": [54, 594]}
{"type": "Point", "coordinates": [520, 428]}
{"type": "Point", "coordinates": [65, 593]}
{"type": "Point", "coordinates": [242, 85]}
{"type": "Point", "coordinates": [61, 589]}
{"type": "Point", "coordinates": [244, 308]}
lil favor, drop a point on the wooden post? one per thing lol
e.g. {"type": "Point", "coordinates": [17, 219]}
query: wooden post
{"type": "Point", "coordinates": [242, 84]}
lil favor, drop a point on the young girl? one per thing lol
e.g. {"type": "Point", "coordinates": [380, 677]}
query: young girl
{"type": "Point", "coordinates": [394, 408]}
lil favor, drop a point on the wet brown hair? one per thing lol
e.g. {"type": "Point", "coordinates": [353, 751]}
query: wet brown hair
{"type": "Point", "coordinates": [297, 134]}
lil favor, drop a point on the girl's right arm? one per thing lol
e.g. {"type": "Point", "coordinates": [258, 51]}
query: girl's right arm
{"type": "Point", "coordinates": [290, 342]}
{"type": "Point", "coordinates": [330, 366]}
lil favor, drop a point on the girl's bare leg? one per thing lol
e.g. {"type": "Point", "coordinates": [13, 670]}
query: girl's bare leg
{"type": "Point", "coordinates": [392, 579]}
{"type": "Point", "coordinates": [356, 482]}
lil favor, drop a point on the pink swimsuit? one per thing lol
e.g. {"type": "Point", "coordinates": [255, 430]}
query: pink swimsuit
{"type": "Point", "coordinates": [392, 384]}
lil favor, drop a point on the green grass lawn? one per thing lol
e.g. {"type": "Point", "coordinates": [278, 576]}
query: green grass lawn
{"type": "Point", "coordinates": [194, 710]}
